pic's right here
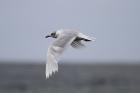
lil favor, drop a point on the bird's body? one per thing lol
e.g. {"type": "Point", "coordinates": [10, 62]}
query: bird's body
{"type": "Point", "coordinates": [64, 38]}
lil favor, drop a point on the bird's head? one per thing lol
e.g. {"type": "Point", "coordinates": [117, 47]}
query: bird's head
{"type": "Point", "coordinates": [52, 34]}
{"type": "Point", "coordinates": [55, 34]}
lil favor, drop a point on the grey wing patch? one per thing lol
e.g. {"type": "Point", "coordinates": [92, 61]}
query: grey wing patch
{"type": "Point", "coordinates": [77, 43]}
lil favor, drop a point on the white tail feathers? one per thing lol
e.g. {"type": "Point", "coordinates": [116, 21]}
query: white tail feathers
{"type": "Point", "coordinates": [51, 67]}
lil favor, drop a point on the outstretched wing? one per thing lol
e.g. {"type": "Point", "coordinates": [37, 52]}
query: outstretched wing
{"type": "Point", "coordinates": [52, 59]}
{"type": "Point", "coordinates": [85, 37]}
{"type": "Point", "coordinates": [77, 42]}
{"type": "Point", "coordinates": [55, 51]}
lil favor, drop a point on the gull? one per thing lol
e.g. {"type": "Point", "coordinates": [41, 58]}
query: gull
{"type": "Point", "coordinates": [63, 39]}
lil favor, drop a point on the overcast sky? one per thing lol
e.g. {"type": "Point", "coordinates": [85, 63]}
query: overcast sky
{"type": "Point", "coordinates": [115, 24]}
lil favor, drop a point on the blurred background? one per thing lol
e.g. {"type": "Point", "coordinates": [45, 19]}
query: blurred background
{"type": "Point", "coordinates": [110, 65]}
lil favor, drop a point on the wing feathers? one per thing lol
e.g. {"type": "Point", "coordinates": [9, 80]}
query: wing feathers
{"type": "Point", "coordinates": [52, 59]}
{"type": "Point", "coordinates": [51, 67]}
{"type": "Point", "coordinates": [77, 44]}
{"type": "Point", "coordinates": [86, 38]}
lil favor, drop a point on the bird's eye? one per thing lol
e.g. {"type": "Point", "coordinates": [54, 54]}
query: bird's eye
{"type": "Point", "coordinates": [53, 35]}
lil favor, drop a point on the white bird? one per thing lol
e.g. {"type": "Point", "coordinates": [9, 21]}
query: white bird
{"type": "Point", "coordinates": [63, 38]}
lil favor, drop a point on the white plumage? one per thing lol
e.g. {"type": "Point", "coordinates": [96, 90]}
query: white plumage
{"type": "Point", "coordinates": [63, 38]}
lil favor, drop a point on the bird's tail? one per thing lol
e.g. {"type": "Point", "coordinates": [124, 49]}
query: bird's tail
{"type": "Point", "coordinates": [51, 67]}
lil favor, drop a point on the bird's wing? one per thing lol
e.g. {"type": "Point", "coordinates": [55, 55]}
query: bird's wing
{"type": "Point", "coordinates": [54, 52]}
{"type": "Point", "coordinates": [52, 58]}
{"type": "Point", "coordinates": [77, 42]}
{"type": "Point", "coordinates": [85, 37]}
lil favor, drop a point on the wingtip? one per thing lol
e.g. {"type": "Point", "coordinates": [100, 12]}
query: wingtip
{"type": "Point", "coordinates": [50, 74]}
{"type": "Point", "coordinates": [50, 70]}
{"type": "Point", "coordinates": [93, 39]}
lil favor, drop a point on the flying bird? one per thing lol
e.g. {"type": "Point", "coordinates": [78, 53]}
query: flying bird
{"type": "Point", "coordinates": [63, 39]}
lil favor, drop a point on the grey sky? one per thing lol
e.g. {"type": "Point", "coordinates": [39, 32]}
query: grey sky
{"type": "Point", "coordinates": [115, 24]}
